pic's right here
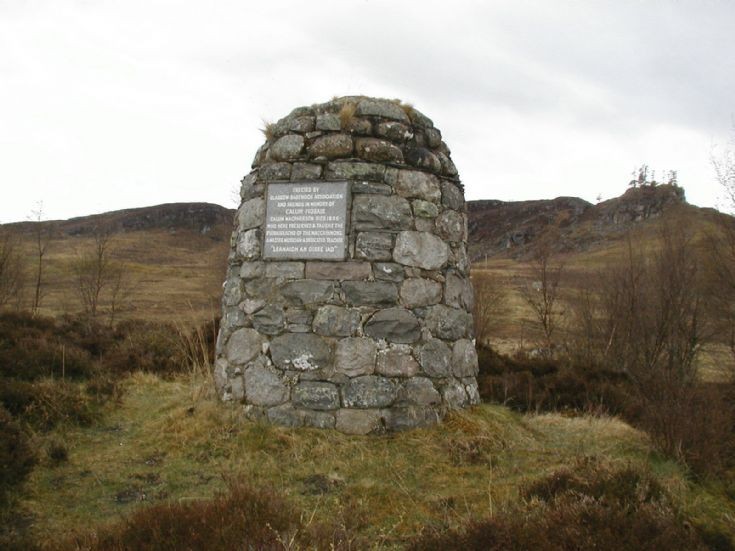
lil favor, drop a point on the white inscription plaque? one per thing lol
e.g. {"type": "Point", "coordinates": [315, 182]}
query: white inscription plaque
{"type": "Point", "coordinates": [306, 220]}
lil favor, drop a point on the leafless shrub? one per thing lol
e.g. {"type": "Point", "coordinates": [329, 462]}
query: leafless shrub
{"type": "Point", "coordinates": [489, 304]}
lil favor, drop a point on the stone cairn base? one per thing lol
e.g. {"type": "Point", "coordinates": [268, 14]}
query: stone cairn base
{"type": "Point", "coordinates": [382, 340]}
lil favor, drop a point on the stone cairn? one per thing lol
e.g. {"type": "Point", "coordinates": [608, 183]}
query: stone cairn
{"type": "Point", "coordinates": [381, 339]}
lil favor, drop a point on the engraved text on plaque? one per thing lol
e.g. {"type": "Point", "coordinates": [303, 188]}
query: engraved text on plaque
{"type": "Point", "coordinates": [306, 220]}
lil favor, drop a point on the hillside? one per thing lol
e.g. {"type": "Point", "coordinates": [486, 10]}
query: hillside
{"type": "Point", "coordinates": [176, 252]}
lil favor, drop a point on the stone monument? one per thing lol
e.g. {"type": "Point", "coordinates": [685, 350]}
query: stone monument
{"type": "Point", "coordinates": [348, 302]}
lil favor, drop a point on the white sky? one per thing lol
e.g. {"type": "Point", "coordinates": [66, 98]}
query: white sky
{"type": "Point", "coordinates": [107, 105]}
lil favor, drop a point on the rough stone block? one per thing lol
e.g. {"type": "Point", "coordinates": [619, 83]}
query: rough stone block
{"type": "Point", "coordinates": [396, 325]}
{"type": "Point", "coordinates": [458, 292]}
{"type": "Point", "coordinates": [378, 293]}
{"type": "Point", "coordinates": [420, 292]}
{"type": "Point", "coordinates": [435, 357]}
{"type": "Point", "coordinates": [264, 387]}
{"type": "Point", "coordinates": [448, 323]}
{"type": "Point", "coordinates": [464, 359]}
{"type": "Point", "coordinates": [316, 395]}
{"type": "Point", "coordinates": [306, 171]}
{"type": "Point", "coordinates": [406, 418]}
{"type": "Point", "coordinates": [420, 249]}
{"type": "Point", "coordinates": [275, 171]}
{"type": "Point", "coordinates": [424, 209]}
{"type": "Point", "coordinates": [374, 245]}
{"type": "Point", "coordinates": [355, 356]}
{"type": "Point", "coordinates": [332, 146]}
{"type": "Point", "coordinates": [393, 131]}
{"type": "Point", "coordinates": [454, 395]}
{"type": "Point", "coordinates": [451, 225]}
{"type": "Point", "coordinates": [251, 214]}
{"type": "Point", "coordinates": [287, 148]}
{"type": "Point", "coordinates": [336, 321]}
{"type": "Point", "coordinates": [243, 346]}
{"type": "Point", "coordinates": [339, 271]}
{"type": "Point", "coordinates": [378, 151]}
{"type": "Point", "coordinates": [414, 184]}
{"type": "Point", "coordinates": [418, 391]}
{"type": "Point", "coordinates": [354, 170]}
{"type": "Point", "coordinates": [452, 196]}
{"type": "Point", "coordinates": [285, 270]}
{"type": "Point", "coordinates": [381, 108]}
{"type": "Point", "coordinates": [308, 291]}
{"type": "Point", "coordinates": [248, 245]}
{"type": "Point", "coordinates": [397, 361]}
{"type": "Point", "coordinates": [380, 212]}
{"type": "Point", "coordinates": [360, 421]}
{"type": "Point", "coordinates": [328, 121]}
{"type": "Point", "coordinates": [269, 320]}
{"type": "Point", "coordinates": [388, 271]}
{"type": "Point", "coordinates": [301, 352]}
{"type": "Point", "coordinates": [421, 157]}
{"type": "Point", "coordinates": [368, 391]}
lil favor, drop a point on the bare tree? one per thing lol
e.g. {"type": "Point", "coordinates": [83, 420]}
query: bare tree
{"type": "Point", "coordinates": [11, 268]}
{"type": "Point", "coordinates": [542, 294]}
{"type": "Point", "coordinates": [723, 162]}
{"type": "Point", "coordinates": [97, 271]}
{"type": "Point", "coordinates": [42, 237]}
{"type": "Point", "coordinates": [489, 304]}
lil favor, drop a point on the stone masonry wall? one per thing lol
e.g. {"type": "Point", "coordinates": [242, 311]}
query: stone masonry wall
{"type": "Point", "coordinates": [384, 339]}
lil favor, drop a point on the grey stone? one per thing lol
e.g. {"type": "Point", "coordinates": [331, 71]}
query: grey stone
{"type": "Point", "coordinates": [297, 315]}
{"type": "Point", "coordinates": [285, 270]}
{"type": "Point", "coordinates": [275, 171]}
{"type": "Point", "coordinates": [458, 292]}
{"type": "Point", "coordinates": [252, 270]}
{"type": "Point", "coordinates": [232, 293]}
{"type": "Point", "coordinates": [396, 325]}
{"type": "Point", "coordinates": [447, 166]}
{"type": "Point", "coordinates": [388, 271]}
{"type": "Point", "coordinates": [328, 121]}
{"type": "Point", "coordinates": [262, 288]}
{"type": "Point", "coordinates": [473, 392]}
{"type": "Point", "coordinates": [318, 419]}
{"type": "Point", "coordinates": [233, 318]}
{"type": "Point", "coordinates": [260, 155]}
{"type": "Point", "coordinates": [300, 351]}
{"type": "Point", "coordinates": [407, 418]}
{"type": "Point", "coordinates": [370, 292]}
{"type": "Point", "coordinates": [420, 249]}
{"type": "Point", "coordinates": [219, 374]}
{"type": "Point", "coordinates": [336, 321]}
{"type": "Point", "coordinates": [308, 291]}
{"type": "Point", "coordinates": [359, 126]}
{"type": "Point", "coordinates": [368, 391]}
{"type": "Point", "coordinates": [419, 119]}
{"type": "Point", "coordinates": [332, 146]}
{"type": "Point", "coordinates": [378, 212]}
{"type": "Point", "coordinates": [237, 388]}
{"type": "Point", "coordinates": [248, 245]}
{"type": "Point", "coordinates": [464, 359]}
{"type": "Point", "coordinates": [252, 305]}
{"type": "Point", "coordinates": [355, 356]}
{"type": "Point", "coordinates": [435, 358]}
{"type": "Point", "coordinates": [371, 187]}
{"type": "Point", "coordinates": [298, 328]}
{"type": "Point", "coordinates": [287, 148]}
{"type": "Point", "coordinates": [338, 270]}
{"type": "Point", "coordinates": [425, 224]}
{"type": "Point", "coordinates": [374, 245]}
{"type": "Point", "coordinates": [451, 225]}
{"type": "Point", "coordinates": [448, 323]}
{"type": "Point", "coordinates": [264, 387]}
{"type": "Point", "coordinates": [397, 361]}
{"type": "Point", "coordinates": [433, 137]}
{"type": "Point", "coordinates": [306, 171]}
{"type": "Point", "coordinates": [354, 170]}
{"type": "Point", "coordinates": [360, 421]}
{"type": "Point", "coordinates": [302, 124]}
{"type": "Point", "coordinates": [381, 108]}
{"type": "Point", "coordinates": [393, 131]}
{"type": "Point", "coordinates": [243, 346]}
{"type": "Point", "coordinates": [316, 395]}
{"type": "Point", "coordinates": [269, 320]}
{"type": "Point", "coordinates": [285, 415]}
{"type": "Point", "coordinates": [421, 157]}
{"type": "Point", "coordinates": [452, 196]}
{"type": "Point", "coordinates": [454, 395]}
{"type": "Point", "coordinates": [414, 184]}
{"type": "Point", "coordinates": [420, 292]}
{"type": "Point", "coordinates": [462, 259]}
{"type": "Point", "coordinates": [418, 391]}
{"type": "Point", "coordinates": [251, 214]}
{"type": "Point", "coordinates": [379, 151]}
{"type": "Point", "coordinates": [424, 209]}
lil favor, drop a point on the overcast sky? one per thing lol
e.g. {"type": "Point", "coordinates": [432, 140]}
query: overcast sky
{"type": "Point", "coordinates": [107, 105]}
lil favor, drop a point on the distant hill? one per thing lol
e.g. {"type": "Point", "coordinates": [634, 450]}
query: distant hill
{"type": "Point", "coordinates": [177, 252]}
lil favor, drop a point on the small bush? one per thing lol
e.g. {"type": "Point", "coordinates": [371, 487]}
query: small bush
{"type": "Point", "coordinates": [244, 518]}
{"type": "Point", "coordinates": [56, 452]}
{"type": "Point", "coordinates": [144, 346]}
{"type": "Point", "coordinates": [17, 456]}
{"type": "Point", "coordinates": [590, 507]}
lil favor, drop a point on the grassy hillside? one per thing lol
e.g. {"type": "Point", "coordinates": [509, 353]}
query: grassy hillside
{"type": "Point", "coordinates": [169, 440]}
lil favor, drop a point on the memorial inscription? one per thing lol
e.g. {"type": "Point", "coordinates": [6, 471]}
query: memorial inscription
{"type": "Point", "coordinates": [306, 220]}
